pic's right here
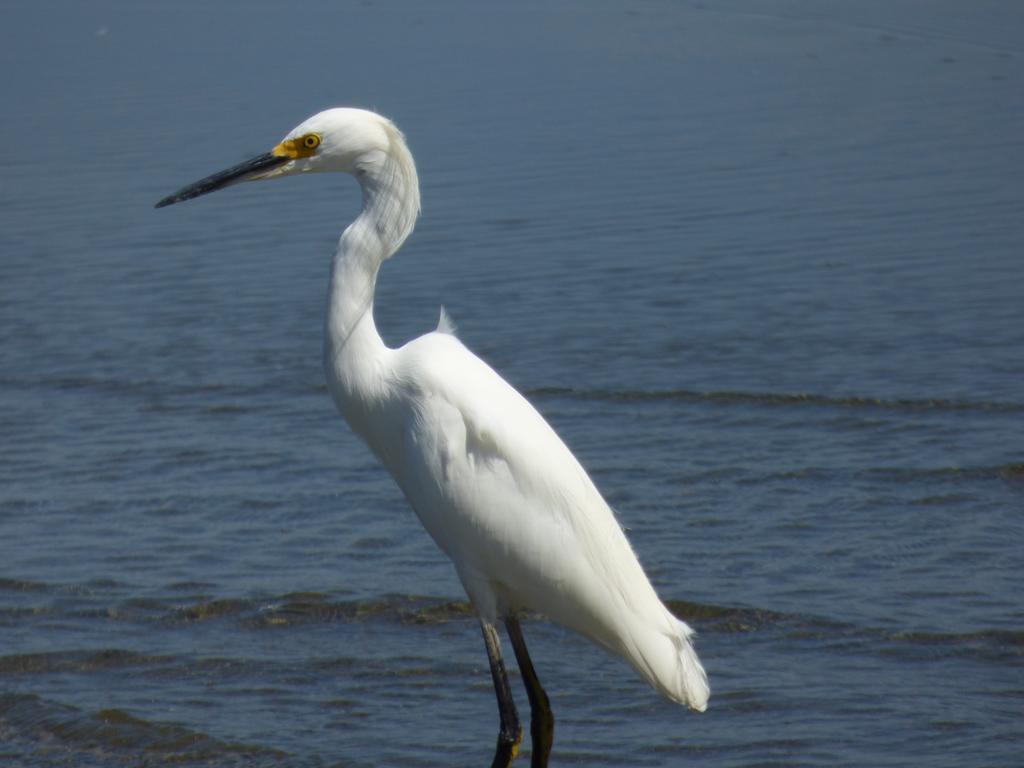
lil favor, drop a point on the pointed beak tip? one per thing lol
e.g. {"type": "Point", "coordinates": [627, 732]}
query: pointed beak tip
{"type": "Point", "coordinates": [242, 172]}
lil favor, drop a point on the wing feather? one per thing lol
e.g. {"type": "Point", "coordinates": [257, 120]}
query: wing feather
{"type": "Point", "coordinates": [503, 495]}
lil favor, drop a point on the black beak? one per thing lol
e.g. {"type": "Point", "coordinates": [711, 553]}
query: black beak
{"type": "Point", "coordinates": [233, 175]}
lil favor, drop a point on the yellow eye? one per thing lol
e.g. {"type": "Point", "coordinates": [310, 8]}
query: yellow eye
{"type": "Point", "coordinates": [302, 146]}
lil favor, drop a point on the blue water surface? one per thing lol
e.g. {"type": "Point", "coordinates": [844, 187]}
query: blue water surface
{"type": "Point", "coordinates": [759, 263]}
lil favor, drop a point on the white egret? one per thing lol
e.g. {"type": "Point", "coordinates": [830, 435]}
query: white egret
{"type": "Point", "coordinates": [490, 480]}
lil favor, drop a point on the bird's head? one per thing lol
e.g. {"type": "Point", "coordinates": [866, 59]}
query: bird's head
{"type": "Point", "coordinates": [345, 140]}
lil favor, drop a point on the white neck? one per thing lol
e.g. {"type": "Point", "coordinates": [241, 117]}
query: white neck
{"type": "Point", "coordinates": [354, 353]}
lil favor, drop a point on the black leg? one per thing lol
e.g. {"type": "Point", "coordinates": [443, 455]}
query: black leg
{"type": "Point", "coordinates": [509, 734]}
{"type": "Point", "coordinates": [542, 720]}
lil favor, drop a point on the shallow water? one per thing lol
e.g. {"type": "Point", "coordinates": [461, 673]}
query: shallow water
{"type": "Point", "coordinates": [759, 264]}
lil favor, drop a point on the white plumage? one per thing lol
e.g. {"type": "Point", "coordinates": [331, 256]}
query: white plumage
{"type": "Point", "coordinates": [490, 480]}
{"type": "Point", "coordinates": [517, 514]}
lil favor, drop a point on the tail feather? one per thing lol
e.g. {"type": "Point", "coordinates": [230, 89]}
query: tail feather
{"type": "Point", "coordinates": [693, 680]}
{"type": "Point", "coordinates": [669, 663]}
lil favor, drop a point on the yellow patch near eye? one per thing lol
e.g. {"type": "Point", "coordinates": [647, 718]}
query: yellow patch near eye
{"type": "Point", "coordinates": [301, 146]}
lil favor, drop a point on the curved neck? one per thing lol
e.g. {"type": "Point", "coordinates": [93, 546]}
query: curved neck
{"type": "Point", "coordinates": [353, 349]}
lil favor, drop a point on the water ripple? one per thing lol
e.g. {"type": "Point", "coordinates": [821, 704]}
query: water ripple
{"type": "Point", "coordinates": [112, 735]}
{"type": "Point", "coordinates": [777, 399]}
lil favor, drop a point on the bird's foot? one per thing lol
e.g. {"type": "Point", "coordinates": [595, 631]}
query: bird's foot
{"type": "Point", "coordinates": [508, 747]}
